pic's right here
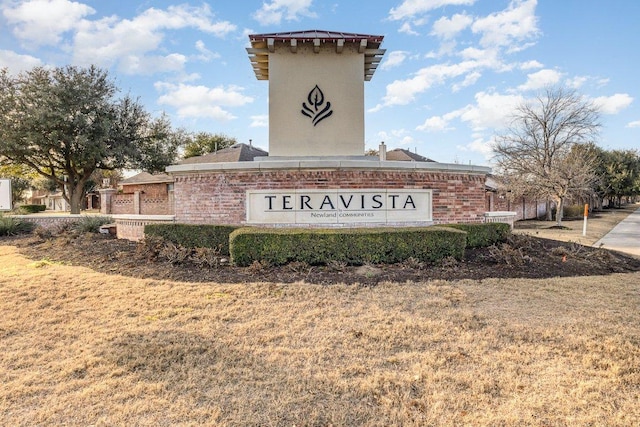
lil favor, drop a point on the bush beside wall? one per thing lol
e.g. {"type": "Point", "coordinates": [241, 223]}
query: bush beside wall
{"type": "Point", "coordinates": [193, 236]}
{"type": "Point", "coordinates": [351, 246]}
{"type": "Point", "coordinates": [482, 235]}
{"type": "Point", "coordinates": [10, 226]}
{"type": "Point", "coordinates": [29, 209]}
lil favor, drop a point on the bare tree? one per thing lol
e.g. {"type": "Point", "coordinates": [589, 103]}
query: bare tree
{"type": "Point", "coordinates": [537, 153]}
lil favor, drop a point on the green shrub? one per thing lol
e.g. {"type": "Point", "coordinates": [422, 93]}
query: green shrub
{"type": "Point", "coordinates": [29, 209]}
{"type": "Point", "coordinates": [351, 246]}
{"type": "Point", "coordinates": [91, 224]}
{"type": "Point", "coordinates": [10, 226]}
{"type": "Point", "coordinates": [193, 236]}
{"type": "Point", "coordinates": [482, 235]}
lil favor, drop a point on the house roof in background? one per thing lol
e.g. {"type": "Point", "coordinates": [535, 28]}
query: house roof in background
{"type": "Point", "coordinates": [400, 154]}
{"type": "Point", "coordinates": [236, 153]}
{"type": "Point", "coordinates": [147, 178]}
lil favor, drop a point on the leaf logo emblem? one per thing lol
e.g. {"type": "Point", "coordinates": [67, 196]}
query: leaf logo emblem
{"type": "Point", "coordinates": [317, 109]}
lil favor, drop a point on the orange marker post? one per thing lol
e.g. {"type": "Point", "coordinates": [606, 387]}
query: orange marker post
{"type": "Point", "coordinates": [586, 214]}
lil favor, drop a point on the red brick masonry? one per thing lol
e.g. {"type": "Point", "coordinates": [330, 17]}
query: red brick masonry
{"type": "Point", "coordinates": [217, 196]}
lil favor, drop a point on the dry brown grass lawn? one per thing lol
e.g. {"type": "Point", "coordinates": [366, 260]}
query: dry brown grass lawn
{"type": "Point", "coordinates": [85, 348]}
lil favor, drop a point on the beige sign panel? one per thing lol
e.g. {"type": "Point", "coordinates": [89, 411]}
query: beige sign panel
{"type": "Point", "coordinates": [5, 195]}
{"type": "Point", "coordinates": [316, 102]}
{"type": "Point", "coordinates": [343, 206]}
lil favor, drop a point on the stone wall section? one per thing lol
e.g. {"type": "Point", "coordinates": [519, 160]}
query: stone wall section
{"type": "Point", "coordinates": [218, 197]}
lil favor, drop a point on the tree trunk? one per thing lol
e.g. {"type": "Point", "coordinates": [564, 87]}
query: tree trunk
{"type": "Point", "coordinates": [549, 216]}
{"type": "Point", "coordinates": [76, 197]}
{"type": "Point", "coordinates": [559, 209]}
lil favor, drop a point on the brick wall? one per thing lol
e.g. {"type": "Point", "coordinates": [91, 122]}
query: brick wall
{"type": "Point", "coordinates": [154, 191]}
{"type": "Point", "coordinates": [49, 221]}
{"type": "Point", "coordinates": [132, 227]}
{"type": "Point", "coordinates": [219, 196]}
{"type": "Point", "coordinates": [151, 203]}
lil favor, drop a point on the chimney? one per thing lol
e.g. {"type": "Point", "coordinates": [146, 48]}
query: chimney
{"type": "Point", "coordinates": [382, 152]}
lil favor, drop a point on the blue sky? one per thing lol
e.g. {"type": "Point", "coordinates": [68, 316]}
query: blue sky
{"type": "Point", "coordinates": [452, 73]}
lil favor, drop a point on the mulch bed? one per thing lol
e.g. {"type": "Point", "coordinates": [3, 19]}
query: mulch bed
{"type": "Point", "coordinates": [520, 257]}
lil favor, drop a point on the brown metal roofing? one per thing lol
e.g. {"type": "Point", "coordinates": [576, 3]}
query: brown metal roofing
{"type": "Point", "coordinates": [264, 44]}
{"type": "Point", "coordinates": [316, 34]}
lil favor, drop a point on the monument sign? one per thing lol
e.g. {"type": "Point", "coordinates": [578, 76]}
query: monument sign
{"type": "Point", "coordinates": [5, 195]}
{"type": "Point", "coordinates": [312, 206]}
{"type": "Point", "coordinates": [316, 173]}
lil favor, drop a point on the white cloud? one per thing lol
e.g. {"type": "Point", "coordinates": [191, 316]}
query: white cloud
{"type": "Point", "coordinates": [410, 8]}
{"type": "Point", "coordinates": [613, 104]}
{"type": "Point", "coordinates": [517, 23]}
{"type": "Point", "coordinates": [406, 28]}
{"type": "Point", "coordinates": [42, 22]}
{"type": "Point", "coordinates": [205, 54]}
{"type": "Point", "coordinates": [479, 145]}
{"type": "Point", "coordinates": [447, 28]}
{"type": "Point", "coordinates": [491, 110]}
{"type": "Point", "coordinates": [402, 92]}
{"type": "Point", "coordinates": [446, 48]}
{"type": "Point", "coordinates": [16, 63]}
{"type": "Point", "coordinates": [576, 82]}
{"type": "Point", "coordinates": [396, 137]}
{"type": "Point", "coordinates": [438, 123]}
{"type": "Point", "coordinates": [469, 79]}
{"type": "Point", "coordinates": [291, 10]}
{"type": "Point", "coordinates": [634, 124]}
{"type": "Point", "coordinates": [394, 59]}
{"type": "Point", "coordinates": [201, 101]}
{"type": "Point", "coordinates": [261, 121]}
{"type": "Point", "coordinates": [541, 79]}
{"type": "Point", "coordinates": [108, 40]}
{"type": "Point", "coordinates": [149, 65]}
{"type": "Point", "coordinates": [530, 65]}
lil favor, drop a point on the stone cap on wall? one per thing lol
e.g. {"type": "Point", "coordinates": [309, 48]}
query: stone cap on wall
{"type": "Point", "coordinates": [338, 164]}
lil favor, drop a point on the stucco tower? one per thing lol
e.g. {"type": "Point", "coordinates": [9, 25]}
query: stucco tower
{"type": "Point", "coordinates": [316, 90]}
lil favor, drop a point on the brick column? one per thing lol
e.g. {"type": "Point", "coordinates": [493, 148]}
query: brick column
{"type": "Point", "coordinates": [136, 202]}
{"type": "Point", "coordinates": [106, 195]}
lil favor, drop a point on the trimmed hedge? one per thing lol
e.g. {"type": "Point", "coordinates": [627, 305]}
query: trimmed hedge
{"type": "Point", "coordinates": [193, 236]}
{"type": "Point", "coordinates": [352, 246]}
{"type": "Point", "coordinates": [29, 209]}
{"type": "Point", "coordinates": [481, 235]}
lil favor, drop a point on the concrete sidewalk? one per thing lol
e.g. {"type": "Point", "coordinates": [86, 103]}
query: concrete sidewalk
{"type": "Point", "coordinates": [624, 237]}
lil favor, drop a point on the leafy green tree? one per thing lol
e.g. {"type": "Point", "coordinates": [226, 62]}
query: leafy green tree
{"type": "Point", "coordinates": [66, 123]}
{"type": "Point", "coordinates": [203, 143]}
{"type": "Point", "coordinates": [536, 154]}
{"type": "Point", "coordinates": [621, 177]}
